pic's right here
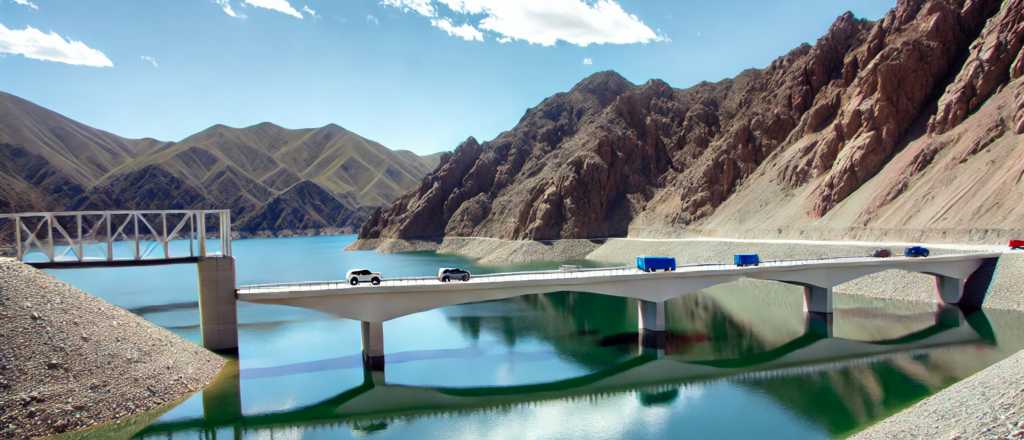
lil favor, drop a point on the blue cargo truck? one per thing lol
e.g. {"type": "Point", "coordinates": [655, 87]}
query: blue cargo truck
{"type": "Point", "coordinates": [743, 260]}
{"type": "Point", "coordinates": [651, 264]}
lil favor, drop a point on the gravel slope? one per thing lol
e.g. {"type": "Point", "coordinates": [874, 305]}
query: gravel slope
{"type": "Point", "coordinates": [69, 360]}
{"type": "Point", "coordinates": [987, 405]}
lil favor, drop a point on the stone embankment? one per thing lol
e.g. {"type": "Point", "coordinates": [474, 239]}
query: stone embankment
{"type": "Point", "coordinates": [69, 360]}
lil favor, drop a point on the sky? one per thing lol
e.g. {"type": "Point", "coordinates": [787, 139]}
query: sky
{"type": "Point", "coordinates": [421, 75]}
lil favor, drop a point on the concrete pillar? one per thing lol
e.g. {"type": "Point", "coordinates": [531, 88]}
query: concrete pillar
{"type": "Point", "coordinates": [652, 323]}
{"type": "Point", "coordinates": [817, 299]}
{"type": "Point", "coordinates": [969, 293]}
{"type": "Point", "coordinates": [373, 345]}
{"type": "Point", "coordinates": [819, 324]}
{"type": "Point", "coordinates": [372, 376]}
{"type": "Point", "coordinates": [950, 290]}
{"type": "Point", "coordinates": [217, 312]}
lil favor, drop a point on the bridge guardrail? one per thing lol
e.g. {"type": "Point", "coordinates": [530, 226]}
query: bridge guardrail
{"type": "Point", "coordinates": [63, 237]}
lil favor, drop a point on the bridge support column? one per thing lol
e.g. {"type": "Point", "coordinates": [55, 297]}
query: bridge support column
{"type": "Point", "coordinates": [217, 312]}
{"type": "Point", "coordinates": [372, 376]}
{"type": "Point", "coordinates": [968, 293]}
{"type": "Point", "coordinates": [373, 345]}
{"type": "Point", "coordinates": [819, 324]}
{"type": "Point", "coordinates": [950, 289]}
{"type": "Point", "coordinates": [817, 299]}
{"type": "Point", "coordinates": [652, 323]}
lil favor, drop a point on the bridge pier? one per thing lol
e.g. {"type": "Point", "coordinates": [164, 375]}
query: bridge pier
{"type": "Point", "coordinates": [652, 323]}
{"type": "Point", "coordinates": [373, 377]}
{"type": "Point", "coordinates": [950, 289]}
{"type": "Point", "coordinates": [969, 292]}
{"type": "Point", "coordinates": [217, 309]}
{"type": "Point", "coordinates": [819, 324]}
{"type": "Point", "coordinates": [373, 345]}
{"type": "Point", "coordinates": [817, 299]}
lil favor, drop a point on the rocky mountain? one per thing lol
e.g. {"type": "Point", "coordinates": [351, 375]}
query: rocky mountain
{"type": "Point", "coordinates": [48, 160]}
{"type": "Point", "coordinates": [904, 127]}
{"type": "Point", "coordinates": [273, 179]}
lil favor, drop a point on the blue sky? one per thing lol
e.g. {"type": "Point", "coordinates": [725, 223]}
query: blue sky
{"type": "Point", "coordinates": [414, 74]}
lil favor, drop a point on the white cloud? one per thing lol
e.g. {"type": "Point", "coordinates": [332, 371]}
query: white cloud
{"type": "Point", "coordinates": [309, 10]}
{"type": "Point", "coordinates": [370, 19]}
{"type": "Point", "coordinates": [281, 6]}
{"type": "Point", "coordinates": [544, 22]}
{"type": "Point", "coordinates": [588, 61]}
{"type": "Point", "coordinates": [150, 60]}
{"type": "Point", "coordinates": [464, 31]}
{"type": "Point", "coordinates": [422, 7]}
{"type": "Point", "coordinates": [225, 5]}
{"type": "Point", "coordinates": [37, 45]}
{"type": "Point", "coordinates": [27, 3]}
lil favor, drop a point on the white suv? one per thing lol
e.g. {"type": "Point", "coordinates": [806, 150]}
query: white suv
{"type": "Point", "coordinates": [356, 276]}
{"type": "Point", "coordinates": [446, 274]}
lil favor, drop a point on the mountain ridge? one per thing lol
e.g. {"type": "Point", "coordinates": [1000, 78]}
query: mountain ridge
{"type": "Point", "coordinates": [836, 136]}
{"type": "Point", "coordinates": [52, 162]}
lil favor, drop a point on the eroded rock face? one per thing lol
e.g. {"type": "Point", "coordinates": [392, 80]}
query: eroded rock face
{"type": "Point", "coordinates": [907, 57]}
{"type": "Point", "coordinates": [993, 58]}
{"type": "Point", "coordinates": [826, 117]}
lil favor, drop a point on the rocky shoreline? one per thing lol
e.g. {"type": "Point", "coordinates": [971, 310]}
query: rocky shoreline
{"type": "Point", "coordinates": [987, 405]}
{"type": "Point", "coordinates": [70, 360]}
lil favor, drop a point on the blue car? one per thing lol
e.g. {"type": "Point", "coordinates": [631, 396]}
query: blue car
{"type": "Point", "coordinates": [916, 251]}
{"type": "Point", "coordinates": [651, 264]}
{"type": "Point", "coordinates": [742, 260]}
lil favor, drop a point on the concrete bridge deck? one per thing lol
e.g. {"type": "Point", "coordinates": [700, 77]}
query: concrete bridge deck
{"type": "Point", "coordinates": [343, 299]}
{"type": "Point", "coordinates": [961, 279]}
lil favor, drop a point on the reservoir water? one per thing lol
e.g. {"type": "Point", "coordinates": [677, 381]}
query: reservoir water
{"type": "Point", "coordinates": [741, 360]}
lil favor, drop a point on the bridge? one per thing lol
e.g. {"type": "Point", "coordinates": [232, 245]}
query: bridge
{"type": "Point", "coordinates": [79, 239]}
{"type": "Point", "coordinates": [64, 239]}
{"type": "Point", "coordinates": [649, 370]}
{"type": "Point", "coordinates": [115, 238]}
{"type": "Point", "coordinates": [961, 279]}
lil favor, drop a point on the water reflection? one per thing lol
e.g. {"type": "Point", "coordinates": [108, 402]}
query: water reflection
{"type": "Point", "coordinates": [826, 375]}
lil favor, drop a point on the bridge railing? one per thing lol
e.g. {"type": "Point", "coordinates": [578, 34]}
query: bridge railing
{"type": "Point", "coordinates": [69, 237]}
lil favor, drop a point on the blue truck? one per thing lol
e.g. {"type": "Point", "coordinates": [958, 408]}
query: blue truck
{"type": "Point", "coordinates": [651, 264]}
{"type": "Point", "coordinates": [742, 260]}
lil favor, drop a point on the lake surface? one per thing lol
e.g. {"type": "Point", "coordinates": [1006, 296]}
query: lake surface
{"type": "Point", "coordinates": [741, 360]}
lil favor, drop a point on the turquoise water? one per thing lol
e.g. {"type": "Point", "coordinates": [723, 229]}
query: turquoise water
{"type": "Point", "coordinates": [741, 360]}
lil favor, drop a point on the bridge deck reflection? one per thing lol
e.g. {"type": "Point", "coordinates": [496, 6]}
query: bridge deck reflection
{"type": "Point", "coordinates": [650, 370]}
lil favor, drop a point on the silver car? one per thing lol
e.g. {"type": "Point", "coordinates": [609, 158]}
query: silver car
{"type": "Point", "coordinates": [446, 274]}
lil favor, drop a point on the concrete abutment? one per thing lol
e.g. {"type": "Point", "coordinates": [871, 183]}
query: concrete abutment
{"type": "Point", "coordinates": [218, 316]}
